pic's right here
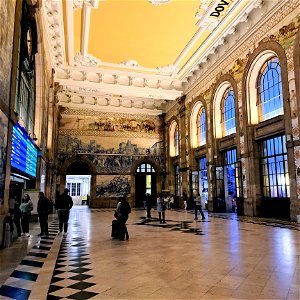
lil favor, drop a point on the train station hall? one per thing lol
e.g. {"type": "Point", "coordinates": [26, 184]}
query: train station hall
{"type": "Point", "coordinates": [150, 149]}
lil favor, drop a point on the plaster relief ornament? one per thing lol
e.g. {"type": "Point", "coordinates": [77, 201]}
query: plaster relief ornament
{"type": "Point", "coordinates": [158, 2]}
{"type": "Point", "coordinates": [86, 61]}
{"type": "Point", "coordinates": [79, 3]}
{"type": "Point", "coordinates": [166, 70]}
{"type": "Point", "coordinates": [130, 63]}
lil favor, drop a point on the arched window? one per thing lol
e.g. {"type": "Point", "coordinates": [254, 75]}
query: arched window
{"type": "Point", "coordinates": [176, 141]}
{"type": "Point", "coordinates": [145, 168]}
{"type": "Point", "coordinates": [228, 112]}
{"type": "Point", "coordinates": [269, 89]}
{"type": "Point", "coordinates": [201, 127]}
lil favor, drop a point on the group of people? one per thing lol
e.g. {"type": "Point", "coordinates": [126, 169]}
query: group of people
{"type": "Point", "coordinates": [21, 212]}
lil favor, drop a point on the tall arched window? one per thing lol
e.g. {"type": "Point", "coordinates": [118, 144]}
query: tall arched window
{"type": "Point", "coordinates": [176, 141]}
{"type": "Point", "coordinates": [201, 127]}
{"type": "Point", "coordinates": [228, 111]}
{"type": "Point", "coordinates": [269, 89]}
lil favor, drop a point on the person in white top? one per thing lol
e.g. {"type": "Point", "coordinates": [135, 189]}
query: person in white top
{"type": "Point", "coordinates": [198, 206]}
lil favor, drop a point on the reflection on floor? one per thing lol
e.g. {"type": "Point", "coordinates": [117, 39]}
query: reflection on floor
{"type": "Point", "coordinates": [222, 257]}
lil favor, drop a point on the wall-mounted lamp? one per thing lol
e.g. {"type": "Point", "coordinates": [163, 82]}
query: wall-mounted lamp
{"type": "Point", "coordinates": [288, 137]}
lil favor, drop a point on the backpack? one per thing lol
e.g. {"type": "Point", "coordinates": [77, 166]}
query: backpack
{"type": "Point", "coordinates": [125, 209]}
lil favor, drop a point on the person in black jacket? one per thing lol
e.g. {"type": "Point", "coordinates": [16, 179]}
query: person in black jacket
{"type": "Point", "coordinates": [122, 211]}
{"type": "Point", "coordinates": [63, 205]}
{"type": "Point", "coordinates": [43, 208]}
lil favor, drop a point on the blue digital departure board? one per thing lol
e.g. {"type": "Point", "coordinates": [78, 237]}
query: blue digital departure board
{"type": "Point", "coordinates": [24, 152]}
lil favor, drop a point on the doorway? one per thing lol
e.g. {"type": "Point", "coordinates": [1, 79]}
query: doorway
{"type": "Point", "coordinates": [78, 182]}
{"type": "Point", "coordinates": [145, 182]}
{"type": "Point", "coordinates": [227, 183]}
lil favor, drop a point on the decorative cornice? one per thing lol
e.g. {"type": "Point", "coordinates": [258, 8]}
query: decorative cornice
{"type": "Point", "coordinates": [232, 52]}
{"type": "Point", "coordinates": [52, 14]}
{"type": "Point", "coordinates": [130, 63]}
{"type": "Point", "coordinates": [110, 102]}
{"type": "Point", "coordinates": [122, 83]}
{"type": "Point", "coordinates": [166, 70]}
{"type": "Point", "coordinates": [87, 61]}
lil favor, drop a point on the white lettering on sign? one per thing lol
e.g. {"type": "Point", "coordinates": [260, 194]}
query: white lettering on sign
{"type": "Point", "coordinates": [219, 8]}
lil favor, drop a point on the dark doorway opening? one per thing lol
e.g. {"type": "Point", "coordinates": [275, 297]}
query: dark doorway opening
{"type": "Point", "coordinates": [145, 182]}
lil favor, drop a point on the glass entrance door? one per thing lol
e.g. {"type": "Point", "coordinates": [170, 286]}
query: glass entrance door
{"type": "Point", "coordinates": [227, 184]}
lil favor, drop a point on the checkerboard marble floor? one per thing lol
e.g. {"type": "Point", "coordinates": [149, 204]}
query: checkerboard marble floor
{"type": "Point", "coordinates": [222, 257]}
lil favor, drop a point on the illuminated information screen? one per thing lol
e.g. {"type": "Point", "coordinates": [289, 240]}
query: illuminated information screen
{"type": "Point", "coordinates": [24, 153]}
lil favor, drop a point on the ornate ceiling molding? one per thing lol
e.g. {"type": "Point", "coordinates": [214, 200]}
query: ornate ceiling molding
{"type": "Point", "coordinates": [218, 35]}
{"type": "Point", "coordinates": [86, 61]}
{"type": "Point", "coordinates": [158, 2]}
{"type": "Point", "coordinates": [109, 102]}
{"type": "Point", "coordinates": [259, 24]}
{"type": "Point", "coordinates": [130, 63]}
{"type": "Point", "coordinates": [52, 15]}
{"type": "Point", "coordinates": [131, 84]}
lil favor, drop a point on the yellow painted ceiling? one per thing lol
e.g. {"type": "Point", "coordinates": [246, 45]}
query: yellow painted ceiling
{"type": "Point", "coordinates": [154, 36]}
{"type": "Point", "coordinates": [123, 30]}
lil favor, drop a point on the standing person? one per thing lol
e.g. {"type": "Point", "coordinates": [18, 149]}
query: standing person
{"type": "Point", "coordinates": [184, 198]}
{"type": "Point", "coordinates": [149, 205]}
{"type": "Point", "coordinates": [161, 208]}
{"type": "Point", "coordinates": [43, 208]}
{"type": "Point", "coordinates": [198, 206]}
{"type": "Point", "coordinates": [63, 205]}
{"type": "Point", "coordinates": [123, 210]}
{"type": "Point", "coordinates": [172, 201]}
{"type": "Point", "coordinates": [14, 210]}
{"type": "Point", "coordinates": [26, 207]}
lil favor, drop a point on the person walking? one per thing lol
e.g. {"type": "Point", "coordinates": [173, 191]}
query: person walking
{"type": "Point", "coordinates": [161, 208]}
{"type": "Point", "coordinates": [63, 204]}
{"type": "Point", "coordinates": [122, 211]}
{"type": "Point", "coordinates": [43, 207]}
{"type": "Point", "coordinates": [14, 210]}
{"type": "Point", "coordinates": [198, 206]}
{"type": "Point", "coordinates": [26, 207]}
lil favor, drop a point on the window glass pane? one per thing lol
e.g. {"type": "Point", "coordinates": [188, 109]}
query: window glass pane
{"type": "Point", "coordinates": [269, 90]}
{"type": "Point", "coordinates": [73, 189]}
{"type": "Point", "coordinates": [202, 127]}
{"type": "Point", "coordinates": [228, 112]}
{"type": "Point", "coordinates": [274, 168]}
{"type": "Point", "coordinates": [78, 189]}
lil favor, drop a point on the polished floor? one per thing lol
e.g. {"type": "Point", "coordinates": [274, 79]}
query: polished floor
{"type": "Point", "coordinates": [221, 257]}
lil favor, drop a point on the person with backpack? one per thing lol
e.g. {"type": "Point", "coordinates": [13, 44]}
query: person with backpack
{"type": "Point", "coordinates": [44, 206]}
{"type": "Point", "coordinates": [26, 207]}
{"type": "Point", "coordinates": [122, 211]}
{"type": "Point", "coordinates": [63, 204]}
